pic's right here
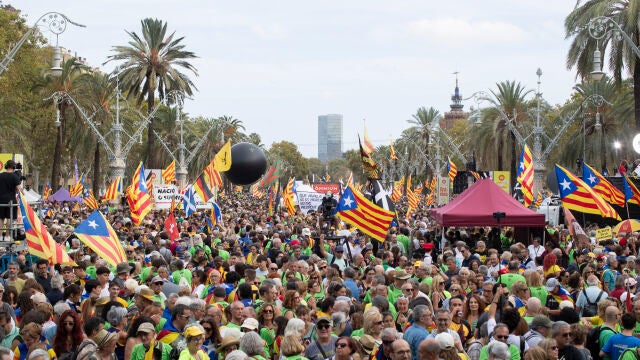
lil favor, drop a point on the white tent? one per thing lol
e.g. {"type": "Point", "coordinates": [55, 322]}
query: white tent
{"type": "Point", "coordinates": [32, 196]}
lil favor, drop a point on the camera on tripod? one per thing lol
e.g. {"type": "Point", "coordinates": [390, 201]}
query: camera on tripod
{"type": "Point", "coordinates": [18, 171]}
{"type": "Point", "coordinates": [328, 206]}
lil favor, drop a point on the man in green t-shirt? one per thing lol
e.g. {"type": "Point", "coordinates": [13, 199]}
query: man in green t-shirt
{"type": "Point", "coordinates": [512, 276]}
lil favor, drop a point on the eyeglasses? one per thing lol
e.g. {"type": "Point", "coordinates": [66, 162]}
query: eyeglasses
{"type": "Point", "coordinates": [268, 311]}
{"type": "Point", "coordinates": [207, 329]}
{"type": "Point", "coordinates": [452, 290]}
{"type": "Point", "coordinates": [566, 335]}
{"type": "Point", "coordinates": [554, 348]}
{"type": "Point", "coordinates": [274, 268]}
{"type": "Point", "coordinates": [322, 267]}
{"type": "Point", "coordinates": [341, 345]}
{"type": "Point", "coordinates": [323, 326]}
{"type": "Point", "coordinates": [379, 322]}
{"type": "Point", "coordinates": [503, 337]}
{"type": "Point", "coordinates": [387, 342]}
{"type": "Point", "coordinates": [158, 283]}
{"type": "Point", "coordinates": [408, 289]}
{"type": "Point", "coordinates": [68, 323]}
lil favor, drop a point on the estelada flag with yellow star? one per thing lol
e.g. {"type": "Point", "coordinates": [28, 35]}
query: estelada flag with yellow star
{"type": "Point", "coordinates": [355, 209]}
{"type": "Point", "coordinates": [601, 185]}
{"type": "Point", "coordinates": [576, 195]}
{"type": "Point", "coordinates": [138, 197]}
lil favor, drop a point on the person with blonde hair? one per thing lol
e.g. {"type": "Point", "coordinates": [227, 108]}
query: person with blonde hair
{"type": "Point", "coordinates": [292, 347]}
{"type": "Point", "coordinates": [373, 323]}
{"type": "Point", "coordinates": [32, 339]}
{"type": "Point", "coordinates": [535, 353]}
{"type": "Point", "coordinates": [550, 348]}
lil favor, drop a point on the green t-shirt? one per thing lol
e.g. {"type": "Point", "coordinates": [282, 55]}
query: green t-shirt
{"type": "Point", "coordinates": [138, 351]}
{"type": "Point", "coordinates": [404, 240]}
{"type": "Point", "coordinates": [636, 330]}
{"type": "Point", "coordinates": [207, 249]}
{"type": "Point", "coordinates": [605, 334]}
{"type": "Point", "coordinates": [223, 254]}
{"type": "Point", "coordinates": [539, 292]}
{"type": "Point", "coordinates": [513, 350]}
{"type": "Point", "coordinates": [630, 354]}
{"type": "Point", "coordinates": [178, 274]}
{"type": "Point", "coordinates": [91, 271]}
{"type": "Point", "coordinates": [508, 279]}
{"type": "Point", "coordinates": [393, 293]}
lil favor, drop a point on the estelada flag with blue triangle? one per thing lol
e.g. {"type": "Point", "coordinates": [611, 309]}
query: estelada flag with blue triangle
{"type": "Point", "coordinates": [525, 175]}
{"type": "Point", "coordinates": [452, 169]}
{"type": "Point", "coordinates": [355, 209]}
{"type": "Point", "coordinates": [602, 186]}
{"type": "Point", "coordinates": [96, 232]}
{"type": "Point", "coordinates": [576, 195]}
{"type": "Point", "coordinates": [631, 193]}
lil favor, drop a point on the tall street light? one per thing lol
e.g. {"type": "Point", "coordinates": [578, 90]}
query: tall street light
{"type": "Point", "coordinates": [57, 24]}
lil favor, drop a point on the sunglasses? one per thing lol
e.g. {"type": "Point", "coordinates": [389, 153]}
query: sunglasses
{"type": "Point", "coordinates": [322, 267]}
{"type": "Point", "coordinates": [274, 269]}
{"type": "Point", "coordinates": [341, 345]}
{"type": "Point", "coordinates": [268, 311]}
{"type": "Point", "coordinates": [323, 326]}
{"type": "Point", "coordinates": [207, 329]}
{"type": "Point", "coordinates": [554, 348]}
{"type": "Point", "coordinates": [68, 323]}
{"type": "Point", "coordinates": [503, 337]}
{"type": "Point", "coordinates": [379, 323]}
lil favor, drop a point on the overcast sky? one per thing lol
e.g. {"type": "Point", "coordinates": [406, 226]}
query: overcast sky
{"type": "Point", "coordinates": [277, 65]}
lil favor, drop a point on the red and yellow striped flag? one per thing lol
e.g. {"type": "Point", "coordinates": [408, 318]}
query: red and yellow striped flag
{"type": "Point", "coordinates": [396, 194]}
{"type": "Point", "coordinates": [169, 174]}
{"type": "Point", "coordinates": [114, 190]}
{"type": "Point", "coordinates": [91, 201]}
{"type": "Point", "coordinates": [138, 197]}
{"type": "Point", "coordinates": [452, 169]}
{"type": "Point", "coordinates": [538, 200]}
{"type": "Point", "coordinates": [392, 150]}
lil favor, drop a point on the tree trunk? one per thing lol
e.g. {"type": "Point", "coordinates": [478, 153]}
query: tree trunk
{"type": "Point", "coordinates": [151, 140]}
{"type": "Point", "coordinates": [96, 170]}
{"type": "Point", "coordinates": [500, 146]}
{"type": "Point", "coordinates": [57, 153]}
{"type": "Point", "coordinates": [603, 150]}
{"type": "Point", "coordinates": [636, 93]}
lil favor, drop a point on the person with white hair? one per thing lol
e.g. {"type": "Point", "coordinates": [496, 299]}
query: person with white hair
{"type": "Point", "coordinates": [587, 303]}
{"type": "Point", "coordinates": [498, 351]}
{"type": "Point", "coordinates": [39, 354]}
{"type": "Point", "coordinates": [236, 355]}
{"type": "Point", "coordinates": [253, 345]}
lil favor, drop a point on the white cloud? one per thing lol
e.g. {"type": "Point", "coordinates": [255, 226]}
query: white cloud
{"type": "Point", "coordinates": [270, 32]}
{"type": "Point", "coordinates": [459, 32]}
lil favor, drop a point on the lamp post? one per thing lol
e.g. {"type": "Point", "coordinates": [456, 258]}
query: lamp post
{"type": "Point", "coordinates": [57, 24]}
{"type": "Point", "coordinates": [617, 146]}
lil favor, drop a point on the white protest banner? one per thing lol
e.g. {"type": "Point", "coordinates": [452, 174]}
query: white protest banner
{"type": "Point", "coordinates": [309, 200]}
{"type": "Point", "coordinates": [162, 195]}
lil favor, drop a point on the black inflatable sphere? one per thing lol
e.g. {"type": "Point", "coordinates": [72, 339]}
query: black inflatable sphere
{"type": "Point", "coordinates": [248, 164]}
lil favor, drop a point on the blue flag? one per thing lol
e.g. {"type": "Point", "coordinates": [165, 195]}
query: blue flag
{"type": "Point", "coordinates": [189, 202]}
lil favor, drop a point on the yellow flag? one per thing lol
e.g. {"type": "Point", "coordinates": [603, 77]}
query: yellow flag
{"type": "Point", "coordinates": [222, 159]}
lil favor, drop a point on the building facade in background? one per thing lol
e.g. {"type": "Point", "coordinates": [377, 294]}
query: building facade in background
{"type": "Point", "coordinates": [329, 137]}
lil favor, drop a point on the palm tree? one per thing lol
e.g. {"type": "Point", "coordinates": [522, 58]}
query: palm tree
{"type": "Point", "coordinates": [151, 64]}
{"type": "Point", "coordinates": [423, 121]}
{"type": "Point", "coordinates": [98, 92]}
{"type": "Point", "coordinates": [621, 56]}
{"type": "Point", "coordinates": [65, 82]}
{"type": "Point", "coordinates": [231, 127]}
{"type": "Point", "coordinates": [509, 99]}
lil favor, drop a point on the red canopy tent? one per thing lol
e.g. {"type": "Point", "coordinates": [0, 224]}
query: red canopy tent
{"type": "Point", "coordinates": [476, 206]}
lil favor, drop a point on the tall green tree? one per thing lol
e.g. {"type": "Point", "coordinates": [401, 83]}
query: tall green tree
{"type": "Point", "coordinates": [621, 56]}
{"type": "Point", "coordinates": [423, 121]}
{"type": "Point", "coordinates": [152, 65]}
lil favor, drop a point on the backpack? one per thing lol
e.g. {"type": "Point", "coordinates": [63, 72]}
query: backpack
{"type": "Point", "coordinates": [634, 351]}
{"type": "Point", "coordinates": [174, 354]}
{"type": "Point", "coordinates": [73, 355]}
{"type": "Point", "coordinates": [593, 340]}
{"type": "Point", "coordinates": [591, 309]}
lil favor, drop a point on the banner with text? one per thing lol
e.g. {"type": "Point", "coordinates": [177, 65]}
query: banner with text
{"type": "Point", "coordinates": [443, 190]}
{"type": "Point", "coordinates": [162, 195]}
{"type": "Point", "coordinates": [502, 179]}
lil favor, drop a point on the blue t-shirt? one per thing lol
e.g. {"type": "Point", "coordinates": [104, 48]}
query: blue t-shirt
{"type": "Point", "coordinates": [618, 343]}
{"type": "Point", "coordinates": [414, 335]}
{"type": "Point", "coordinates": [609, 278]}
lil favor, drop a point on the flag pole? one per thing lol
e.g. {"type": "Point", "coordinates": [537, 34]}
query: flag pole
{"type": "Point", "coordinates": [627, 206]}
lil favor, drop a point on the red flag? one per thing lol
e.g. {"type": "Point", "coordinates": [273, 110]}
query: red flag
{"type": "Point", "coordinates": [171, 227]}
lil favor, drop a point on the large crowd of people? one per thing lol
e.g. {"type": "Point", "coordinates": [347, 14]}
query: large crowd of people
{"type": "Point", "coordinates": [273, 286]}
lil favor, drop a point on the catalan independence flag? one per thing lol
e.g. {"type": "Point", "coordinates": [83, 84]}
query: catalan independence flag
{"type": "Point", "coordinates": [288, 197]}
{"type": "Point", "coordinates": [90, 200]}
{"type": "Point", "coordinates": [396, 194]}
{"type": "Point", "coordinates": [525, 175]}
{"type": "Point", "coordinates": [47, 192]}
{"type": "Point", "coordinates": [631, 193]}
{"type": "Point", "coordinates": [452, 169]}
{"type": "Point", "coordinates": [169, 174]}
{"type": "Point", "coordinates": [138, 197]}
{"type": "Point", "coordinates": [576, 195]}
{"type": "Point", "coordinates": [355, 209]}
{"type": "Point", "coordinates": [602, 186]}
{"type": "Point", "coordinates": [39, 241]}
{"type": "Point", "coordinates": [114, 190]}
{"type": "Point", "coordinates": [77, 188]}
{"type": "Point", "coordinates": [96, 233]}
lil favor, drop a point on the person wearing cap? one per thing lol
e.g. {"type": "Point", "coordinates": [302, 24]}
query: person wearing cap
{"type": "Point", "coordinates": [229, 343]}
{"type": "Point", "coordinates": [540, 330]}
{"type": "Point", "coordinates": [149, 345]}
{"type": "Point", "coordinates": [399, 278]}
{"type": "Point", "coordinates": [557, 294]}
{"type": "Point", "coordinates": [122, 273]}
{"type": "Point", "coordinates": [194, 335]}
{"type": "Point", "coordinates": [337, 258]}
{"type": "Point", "coordinates": [324, 346]}
{"type": "Point", "coordinates": [156, 285]}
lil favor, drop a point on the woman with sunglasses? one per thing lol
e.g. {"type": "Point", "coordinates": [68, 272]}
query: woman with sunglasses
{"type": "Point", "coordinates": [345, 349]}
{"type": "Point", "coordinates": [69, 334]}
{"type": "Point", "coordinates": [266, 316]}
{"type": "Point", "coordinates": [438, 293]}
{"type": "Point", "coordinates": [212, 337]}
{"type": "Point", "coordinates": [550, 347]}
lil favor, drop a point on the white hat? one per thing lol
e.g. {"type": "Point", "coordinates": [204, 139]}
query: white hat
{"type": "Point", "coordinates": [38, 298]}
{"type": "Point", "coordinates": [624, 295]}
{"type": "Point", "coordinates": [565, 304]}
{"type": "Point", "coordinates": [445, 340]}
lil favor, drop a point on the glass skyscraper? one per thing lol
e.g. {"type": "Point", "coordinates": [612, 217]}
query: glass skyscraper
{"type": "Point", "coordinates": [329, 137]}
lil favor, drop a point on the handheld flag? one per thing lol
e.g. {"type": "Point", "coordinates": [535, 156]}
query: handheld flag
{"type": "Point", "coordinates": [47, 192]}
{"type": "Point", "coordinates": [114, 190]}
{"type": "Point", "coordinates": [576, 195]}
{"type": "Point", "coordinates": [90, 200]}
{"type": "Point", "coordinates": [216, 214]}
{"type": "Point", "coordinates": [392, 151]}
{"type": "Point", "coordinates": [169, 174]}
{"type": "Point", "coordinates": [171, 227]}
{"type": "Point", "coordinates": [350, 178]}
{"type": "Point", "coordinates": [452, 169]}
{"type": "Point", "coordinates": [397, 190]}
{"type": "Point", "coordinates": [222, 159]}
{"type": "Point", "coordinates": [76, 189]}
{"type": "Point", "coordinates": [525, 175]}
{"type": "Point", "coordinates": [355, 209]}
{"type": "Point", "coordinates": [189, 202]}
{"type": "Point", "coordinates": [288, 197]}
{"type": "Point", "coordinates": [39, 241]}
{"type": "Point", "coordinates": [368, 146]}
{"type": "Point", "coordinates": [271, 177]}
{"type": "Point", "coordinates": [631, 193]}
{"type": "Point", "coordinates": [538, 200]}
{"type": "Point", "coordinates": [368, 165]}
{"type": "Point", "coordinates": [138, 197]}
{"type": "Point", "coordinates": [602, 186]}
{"type": "Point", "coordinates": [96, 233]}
